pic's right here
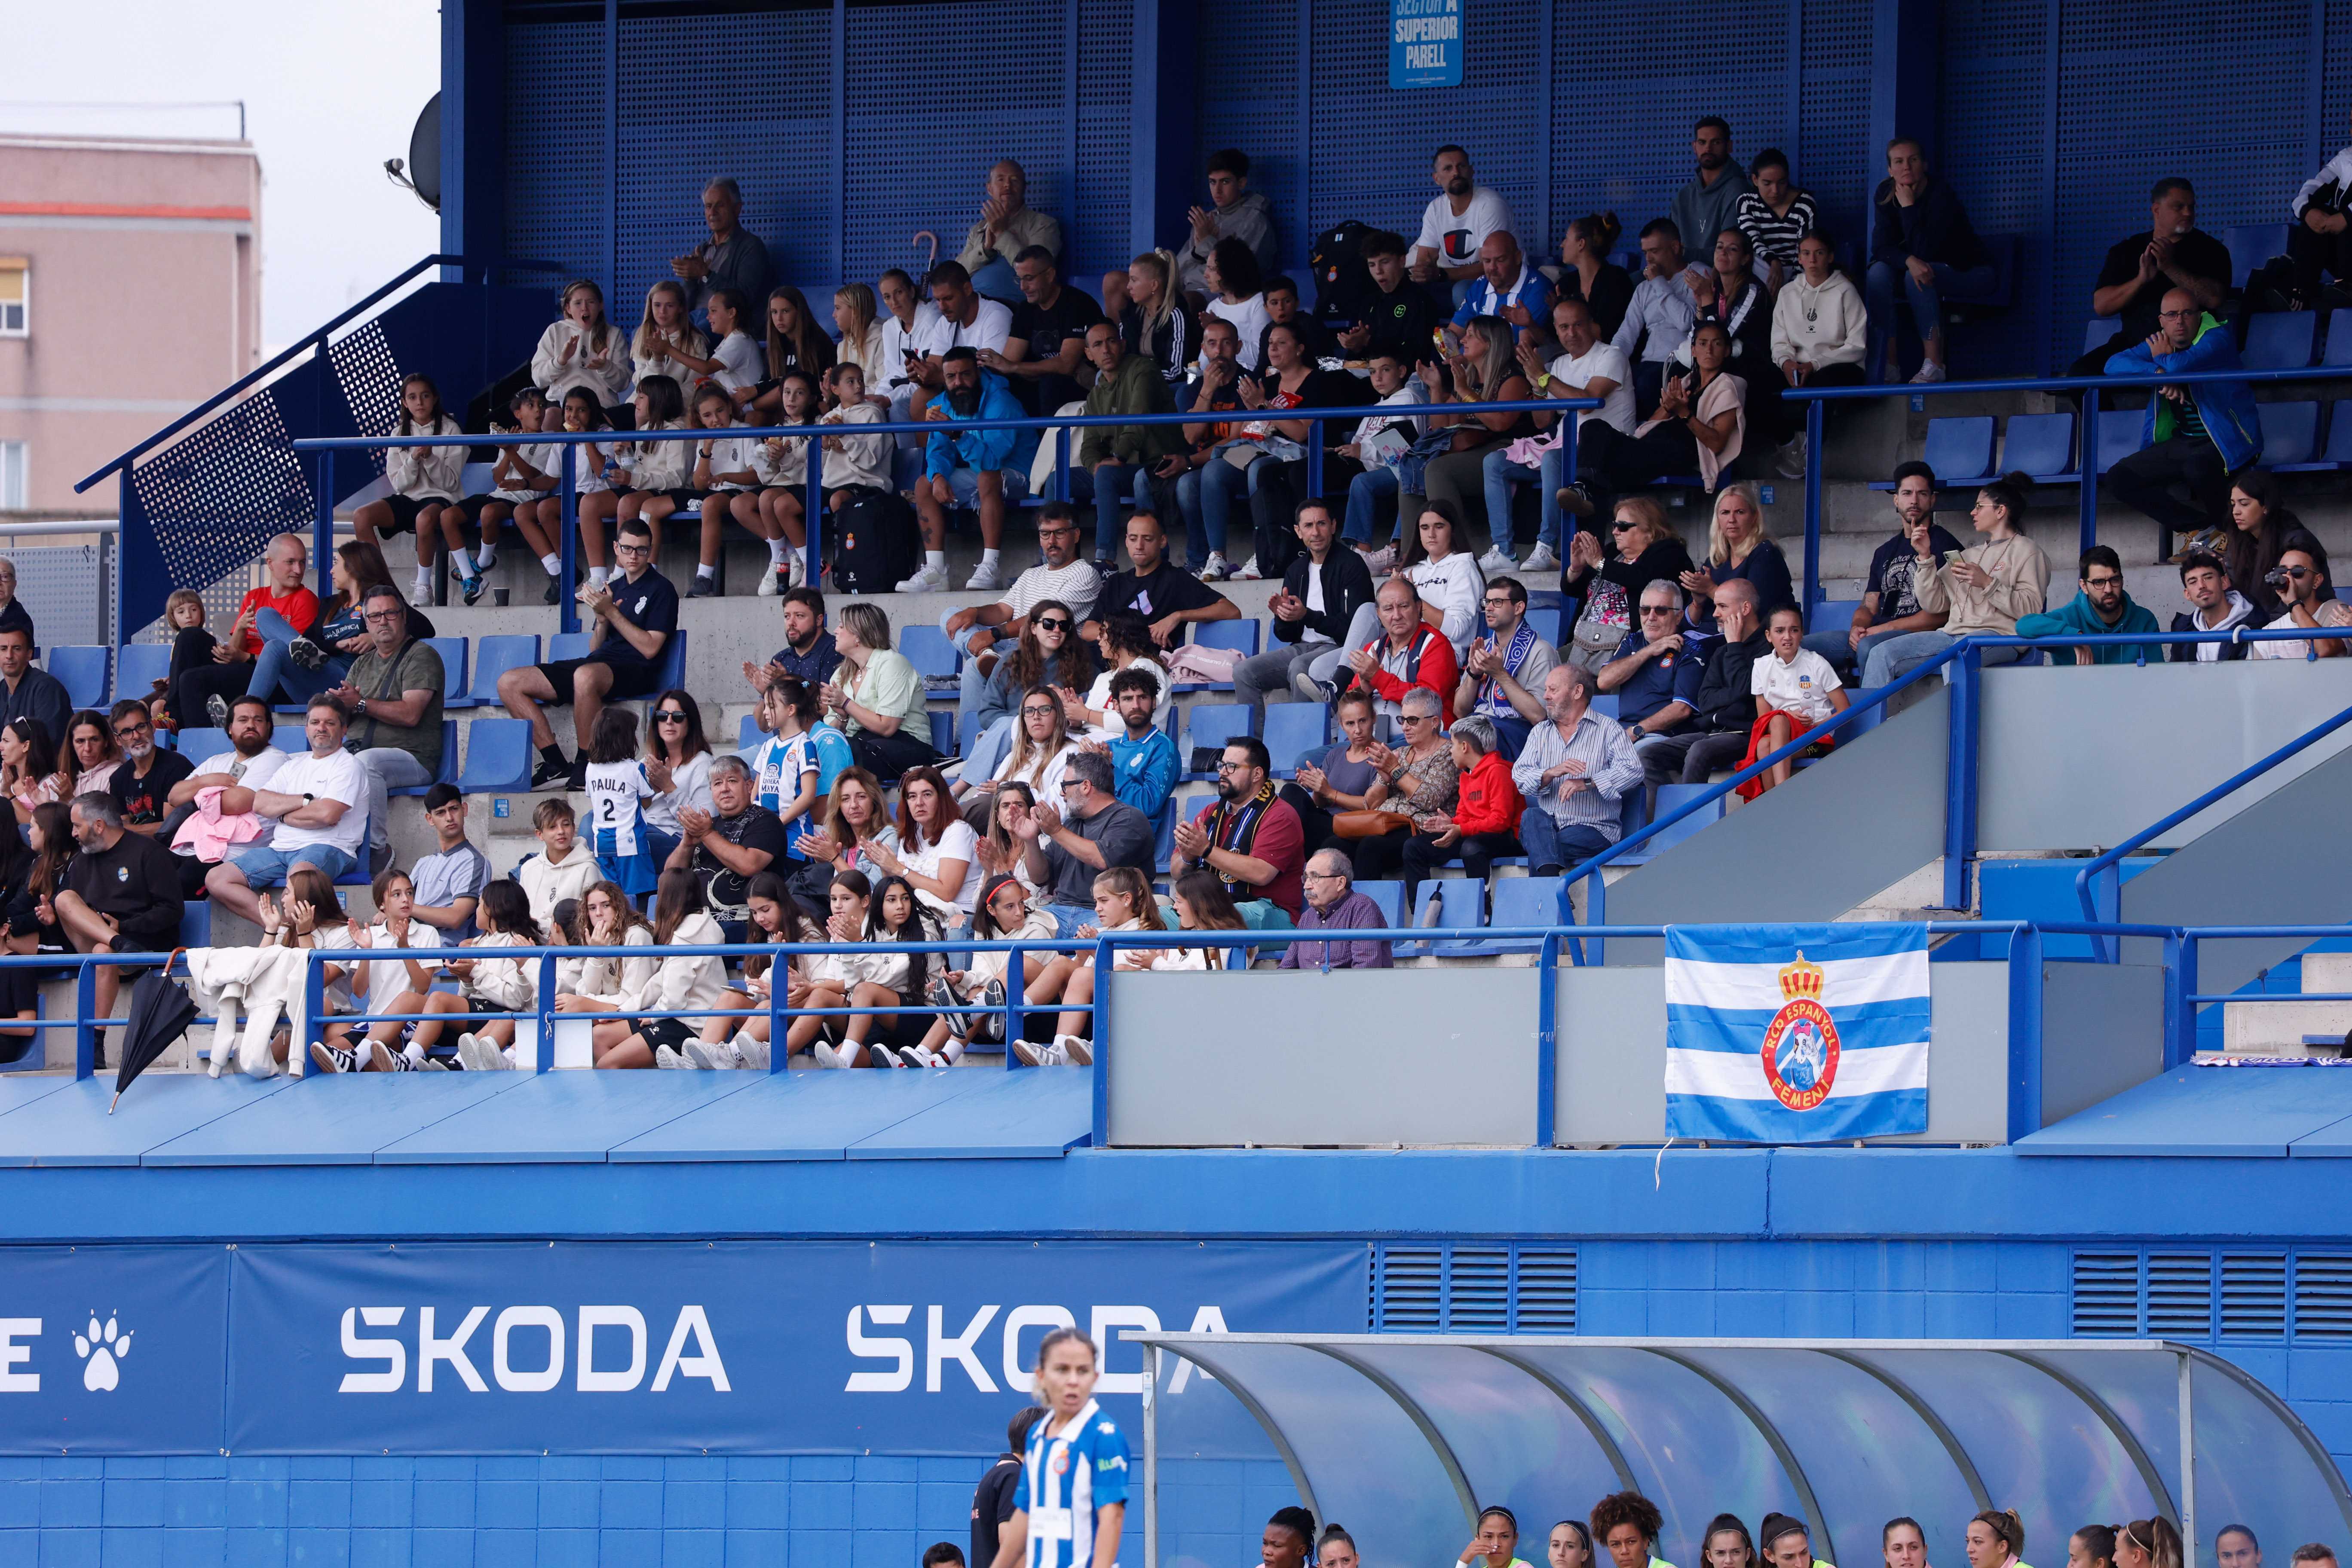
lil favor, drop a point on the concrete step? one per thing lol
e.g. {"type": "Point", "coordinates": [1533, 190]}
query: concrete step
{"type": "Point", "coordinates": [2279, 1028]}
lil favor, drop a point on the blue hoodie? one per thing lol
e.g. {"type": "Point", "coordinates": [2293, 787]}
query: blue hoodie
{"type": "Point", "coordinates": [2078, 618]}
{"type": "Point", "coordinates": [2226, 406]}
{"type": "Point", "coordinates": [984, 449]}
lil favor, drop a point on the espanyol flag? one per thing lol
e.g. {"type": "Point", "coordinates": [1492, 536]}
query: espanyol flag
{"type": "Point", "coordinates": [1802, 1033]}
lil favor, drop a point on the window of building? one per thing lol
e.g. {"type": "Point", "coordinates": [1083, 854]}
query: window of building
{"type": "Point", "coordinates": [15, 273]}
{"type": "Point", "coordinates": [12, 476]}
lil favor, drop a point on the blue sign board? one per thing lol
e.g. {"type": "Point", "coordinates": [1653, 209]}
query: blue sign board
{"type": "Point", "coordinates": [1424, 43]}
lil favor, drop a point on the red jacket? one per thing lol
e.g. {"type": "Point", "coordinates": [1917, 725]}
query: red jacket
{"type": "Point", "coordinates": [1490, 801]}
{"type": "Point", "coordinates": [1438, 670]}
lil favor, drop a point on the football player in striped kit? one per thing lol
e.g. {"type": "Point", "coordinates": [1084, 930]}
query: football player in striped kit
{"type": "Point", "coordinates": [1074, 1478]}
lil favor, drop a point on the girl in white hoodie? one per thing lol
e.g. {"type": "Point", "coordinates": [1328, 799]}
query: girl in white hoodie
{"type": "Point", "coordinates": [610, 986]}
{"type": "Point", "coordinates": [653, 477]}
{"type": "Point", "coordinates": [424, 479]}
{"type": "Point", "coordinates": [681, 982]}
{"type": "Point", "coordinates": [582, 348]}
{"type": "Point", "coordinates": [493, 985]}
{"type": "Point", "coordinates": [854, 974]}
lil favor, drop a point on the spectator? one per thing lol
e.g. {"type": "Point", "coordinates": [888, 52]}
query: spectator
{"type": "Point", "coordinates": [230, 672]}
{"type": "Point", "coordinates": [604, 987]}
{"type": "Point", "coordinates": [635, 613]}
{"type": "Point", "coordinates": [29, 693]}
{"type": "Point", "coordinates": [1379, 449]}
{"type": "Point", "coordinates": [1322, 589]}
{"type": "Point", "coordinates": [1266, 459]}
{"type": "Point", "coordinates": [1739, 546]}
{"type": "Point", "coordinates": [1045, 354]}
{"type": "Point", "coordinates": [1282, 309]}
{"type": "Point", "coordinates": [1700, 424]}
{"type": "Point", "coordinates": [1397, 318]}
{"type": "Point", "coordinates": [1573, 772]}
{"type": "Point", "coordinates": [2101, 609]}
{"type": "Point", "coordinates": [1334, 904]}
{"type": "Point", "coordinates": [1586, 367]}
{"type": "Point", "coordinates": [2235, 1547]}
{"type": "Point", "coordinates": [1796, 690]}
{"type": "Point", "coordinates": [142, 782]}
{"type": "Point", "coordinates": [1642, 548]}
{"type": "Point", "coordinates": [909, 320]}
{"type": "Point", "coordinates": [2140, 271]}
{"type": "Point", "coordinates": [2316, 241]}
{"type": "Point", "coordinates": [762, 482]}
{"type": "Point", "coordinates": [1486, 368]}
{"type": "Point", "coordinates": [793, 771]}
{"type": "Point", "coordinates": [983, 470]}
{"type": "Point", "coordinates": [732, 258]}
{"type": "Point", "coordinates": [1052, 653]}
{"type": "Point", "coordinates": [1985, 589]}
{"type": "Point", "coordinates": [1236, 294]}
{"type": "Point", "coordinates": [651, 478]}
{"type": "Point", "coordinates": [740, 361]}
{"type": "Point", "coordinates": [2259, 525]}
{"type": "Point", "coordinates": [1482, 825]}
{"type": "Point", "coordinates": [728, 844]}
{"type": "Point", "coordinates": [852, 464]}
{"type": "Point", "coordinates": [1037, 758]}
{"type": "Point", "coordinates": [1200, 903]}
{"type": "Point", "coordinates": [1237, 213]}
{"type": "Point", "coordinates": [2317, 1554]}
{"type": "Point", "coordinates": [1505, 668]}
{"type": "Point", "coordinates": [2214, 607]}
{"type": "Point", "coordinates": [1710, 203]}
{"type": "Point", "coordinates": [1726, 704]}
{"type": "Point", "coordinates": [681, 918]}
{"type": "Point", "coordinates": [794, 343]}
{"type": "Point", "coordinates": [1507, 287]}
{"type": "Point", "coordinates": [1122, 901]}
{"type": "Point", "coordinates": [246, 766]}
{"type": "Point", "coordinates": [1218, 392]}
{"type": "Point", "coordinates": [1920, 238]}
{"type": "Point", "coordinates": [1062, 575]}
{"type": "Point", "coordinates": [29, 770]}
{"type": "Point", "coordinates": [2196, 434]}
{"type": "Point", "coordinates": [876, 697]}
{"type": "Point", "coordinates": [1125, 639]}
{"type": "Point", "coordinates": [1819, 329]}
{"type": "Point", "coordinates": [1249, 837]}
{"type": "Point", "coordinates": [857, 320]}
{"type": "Point", "coordinates": [394, 695]}
{"type": "Point", "coordinates": [564, 868]}
{"type": "Point", "coordinates": [318, 804]}
{"type": "Point", "coordinates": [14, 616]}
{"type": "Point", "coordinates": [1890, 597]}
{"type": "Point", "coordinates": [1165, 596]}
{"type": "Point", "coordinates": [425, 481]}
{"type": "Point", "coordinates": [1006, 226]}
{"type": "Point", "coordinates": [581, 351]}
{"type": "Point", "coordinates": [1116, 462]}
{"type": "Point", "coordinates": [1447, 582]}
{"type": "Point", "coordinates": [1657, 320]}
{"type": "Point", "coordinates": [667, 343]}
{"type": "Point", "coordinates": [1408, 652]}
{"type": "Point", "coordinates": [1586, 273]}
{"type": "Point", "coordinates": [1063, 850]}
{"type": "Point", "coordinates": [1157, 325]}
{"type": "Point", "coordinates": [963, 319]}
{"type": "Point", "coordinates": [855, 823]}
{"type": "Point", "coordinates": [808, 654]}
{"type": "Point", "coordinates": [122, 894]}
{"type": "Point", "coordinates": [1421, 782]}
{"type": "Point", "coordinates": [1455, 224]}
{"type": "Point", "coordinates": [1142, 758]}
{"type": "Point", "coordinates": [447, 883]}
{"type": "Point", "coordinates": [938, 852]}
{"type": "Point", "coordinates": [998, 1496]}
{"type": "Point", "coordinates": [1775, 216]}
{"type": "Point", "coordinates": [1655, 674]}
{"type": "Point", "coordinates": [2307, 599]}
{"type": "Point", "coordinates": [296, 665]}
{"type": "Point", "coordinates": [91, 755]}
{"type": "Point", "coordinates": [1338, 782]}
{"type": "Point", "coordinates": [1736, 297]}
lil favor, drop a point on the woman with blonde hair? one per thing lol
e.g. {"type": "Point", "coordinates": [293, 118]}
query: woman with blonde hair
{"type": "Point", "coordinates": [579, 349]}
{"type": "Point", "coordinates": [855, 315]}
{"type": "Point", "coordinates": [668, 342]}
{"type": "Point", "coordinates": [1157, 324]}
{"type": "Point", "coordinates": [875, 697]}
{"type": "Point", "coordinates": [1486, 368]}
{"type": "Point", "coordinates": [1123, 902]}
{"type": "Point", "coordinates": [1738, 545]}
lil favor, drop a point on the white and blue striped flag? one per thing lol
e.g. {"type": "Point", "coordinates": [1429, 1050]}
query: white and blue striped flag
{"type": "Point", "coordinates": [1796, 1034]}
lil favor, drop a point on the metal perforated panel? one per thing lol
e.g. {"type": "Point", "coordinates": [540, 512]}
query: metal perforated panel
{"type": "Point", "coordinates": [2323, 1296]}
{"type": "Point", "coordinates": [556, 204]}
{"type": "Point", "coordinates": [1467, 1288]}
{"type": "Point", "coordinates": [370, 382]}
{"type": "Point", "coordinates": [1249, 100]}
{"type": "Point", "coordinates": [1830, 144]}
{"type": "Point", "coordinates": [1105, 192]}
{"type": "Point", "coordinates": [1992, 149]}
{"type": "Point", "coordinates": [215, 497]}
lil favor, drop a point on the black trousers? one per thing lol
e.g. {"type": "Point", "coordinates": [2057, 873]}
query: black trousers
{"type": "Point", "coordinates": [1479, 851]}
{"type": "Point", "coordinates": [2153, 480]}
{"type": "Point", "coordinates": [2310, 255]}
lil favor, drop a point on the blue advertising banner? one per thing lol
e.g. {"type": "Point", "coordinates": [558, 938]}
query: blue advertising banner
{"type": "Point", "coordinates": [113, 1350]}
{"type": "Point", "coordinates": [1424, 43]}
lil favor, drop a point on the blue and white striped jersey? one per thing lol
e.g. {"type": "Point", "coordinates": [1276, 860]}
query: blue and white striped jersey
{"type": "Point", "coordinates": [1066, 1476]}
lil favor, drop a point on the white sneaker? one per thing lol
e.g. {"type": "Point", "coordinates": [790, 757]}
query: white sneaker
{"type": "Point", "coordinates": [986, 576]}
{"type": "Point", "coordinates": [1540, 558]}
{"type": "Point", "coordinates": [1497, 562]}
{"type": "Point", "coordinates": [1217, 569]}
{"type": "Point", "coordinates": [923, 1057]}
{"type": "Point", "coordinates": [1248, 572]}
{"type": "Point", "coordinates": [885, 1056]}
{"type": "Point", "coordinates": [826, 1056]}
{"type": "Point", "coordinates": [1038, 1055]}
{"type": "Point", "coordinates": [750, 1051]}
{"type": "Point", "coordinates": [707, 1056]}
{"type": "Point", "coordinates": [1074, 1050]}
{"type": "Point", "coordinates": [666, 1057]}
{"type": "Point", "coordinates": [470, 1053]}
{"type": "Point", "coordinates": [381, 1058]}
{"type": "Point", "coordinates": [927, 580]}
{"type": "Point", "coordinates": [1929, 371]}
{"type": "Point", "coordinates": [1380, 561]}
{"type": "Point", "coordinates": [767, 588]}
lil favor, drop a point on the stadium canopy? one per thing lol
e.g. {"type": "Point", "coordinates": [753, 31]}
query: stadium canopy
{"type": "Point", "coordinates": [1402, 1439]}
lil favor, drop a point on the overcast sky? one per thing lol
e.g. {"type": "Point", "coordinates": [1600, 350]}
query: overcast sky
{"type": "Point", "coordinates": [331, 89]}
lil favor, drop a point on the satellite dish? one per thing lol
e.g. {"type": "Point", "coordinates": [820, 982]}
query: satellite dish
{"type": "Point", "coordinates": [425, 153]}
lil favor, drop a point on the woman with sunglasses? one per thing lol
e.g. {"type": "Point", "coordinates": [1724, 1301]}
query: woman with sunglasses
{"type": "Point", "coordinates": [677, 765]}
{"type": "Point", "coordinates": [1050, 653]}
{"type": "Point", "coordinates": [1642, 548]}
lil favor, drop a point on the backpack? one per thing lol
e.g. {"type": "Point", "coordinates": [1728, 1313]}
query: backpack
{"type": "Point", "coordinates": [1343, 281]}
{"type": "Point", "coordinates": [877, 544]}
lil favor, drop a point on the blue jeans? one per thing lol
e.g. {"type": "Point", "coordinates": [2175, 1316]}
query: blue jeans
{"type": "Point", "coordinates": [984, 752]}
{"type": "Point", "coordinates": [1832, 646]}
{"type": "Point", "coordinates": [1068, 917]}
{"type": "Point", "coordinates": [971, 686]}
{"type": "Point", "coordinates": [1890, 660]}
{"type": "Point", "coordinates": [1552, 849]}
{"type": "Point", "coordinates": [273, 670]}
{"type": "Point", "coordinates": [263, 866]}
{"type": "Point", "coordinates": [1501, 474]}
{"type": "Point", "coordinates": [1109, 487]}
{"type": "Point", "coordinates": [1925, 300]}
{"type": "Point", "coordinates": [1365, 493]}
{"type": "Point", "coordinates": [964, 485]}
{"type": "Point", "coordinates": [1221, 487]}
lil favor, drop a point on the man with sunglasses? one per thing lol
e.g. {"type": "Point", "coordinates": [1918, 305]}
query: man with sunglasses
{"type": "Point", "coordinates": [1655, 674]}
{"type": "Point", "coordinates": [976, 629]}
{"type": "Point", "coordinates": [141, 786]}
{"type": "Point", "coordinates": [2100, 609]}
{"type": "Point", "coordinates": [2309, 599]}
{"type": "Point", "coordinates": [393, 693]}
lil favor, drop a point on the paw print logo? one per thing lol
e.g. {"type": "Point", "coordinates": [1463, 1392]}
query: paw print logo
{"type": "Point", "coordinates": [101, 1351]}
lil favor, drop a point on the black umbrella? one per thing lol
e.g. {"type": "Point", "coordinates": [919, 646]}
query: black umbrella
{"type": "Point", "coordinates": [161, 1012]}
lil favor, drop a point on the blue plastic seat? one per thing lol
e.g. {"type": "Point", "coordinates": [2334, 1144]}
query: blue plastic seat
{"type": "Point", "coordinates": [1604, 703]}
{"type": "Point", "coordinates": [139, 666]}
{"type": "Point", "coordinates": [1460, 904]}
{"type": "Point", "coordinates": [453, 669]}
{"type": "Point", "coordinates": [497, 757]}
{"type": "Point", "coordinates": [1671, 798]}
{"type": "Point", "coordinates": [1213, 724]}
{"type": "Point", "coordinates": [567, 645]}
{"type": "Point", "coordinates": [2289, 430]}
{"type": "Point", "coordinates": [2280, 340]}
{"type": "Point", "coordinates": [1518, 901]}
{"type": "Point", "coordinates": [294, 740]}
{"type": "Point", "coordinates": [201, 746]}
{"type": "Point", "coordinates": [2340, 341]}
{"type": "Point", "coordinates": [944, 730]}
{"type": "Point", "coordinates": [1545, 620]}
{"type": "Point", "coordinates": [2099, 332]}
{"type": "Point", "coordinates": [1389, 896]}
{"type": "Point", "coordinates": [196, 924]}
{"type": "Point", "coordinates": [447, 773]}
{"type": "Point", "coordinates": [673, 668]}
{"type": "Point", "coordinates": [2336, 453]}
{"type": "Point", "coordinates": [748, 733]}
{"type": "Point", "coordinates": [1959, 448]}
{"type": "Point", "coordinates": [928, 650]}
{"type": "Point", "coordinates": [2039, 445]}
{"type": "Point", "coordinates": [82, 671]}
{"type": "Point", "coordinates": [2119, 435]}
{"type": "Point", "coordinates": [1293, 730]}
{"type": "Point", "coordinates": [2251, 245]}
{"type": "Point", "coordinates": [493, 656]}
{"type": "Point", "coordinates": [1832, 615]}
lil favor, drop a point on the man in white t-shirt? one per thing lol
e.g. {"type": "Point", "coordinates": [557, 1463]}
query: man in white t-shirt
{"type": "Point", "coordinates": [964, 320]}
{"type": "Point", "coordinates": [319, 802]}
{"type": "Point", "coordinates": [1794, 688]}
{"type": "Point", "coordinates": [248, 765]}
{"type": "Point", "coordinates": [1589, 365]}
{"type": "Point", "coordinates": [1456, 222]}
{"type": "Point", "coordinates": [2306, 599]}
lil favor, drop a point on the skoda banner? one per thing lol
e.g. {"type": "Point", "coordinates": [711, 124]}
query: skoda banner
{"type": "Point", "coordinates": [640, 1348]}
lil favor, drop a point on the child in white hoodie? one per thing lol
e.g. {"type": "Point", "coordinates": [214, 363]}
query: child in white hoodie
{"type": "Point", "coordinates": [680, 982]}
{"type": "Point", "coordinates": [493, 985]}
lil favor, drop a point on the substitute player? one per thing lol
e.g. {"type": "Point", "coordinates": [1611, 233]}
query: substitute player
{"type": "Point", "coordinates": [1072, 1496]}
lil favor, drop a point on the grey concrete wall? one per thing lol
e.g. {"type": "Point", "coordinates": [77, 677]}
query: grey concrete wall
{"type": "Point", "coordinates": [2102, 1032]}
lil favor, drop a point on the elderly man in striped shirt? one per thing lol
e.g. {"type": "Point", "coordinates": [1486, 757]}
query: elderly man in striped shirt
{"type": "Point", "coordinates": [1574, 771]}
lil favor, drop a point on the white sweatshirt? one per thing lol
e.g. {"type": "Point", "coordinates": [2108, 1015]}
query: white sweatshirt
{"type": "Point", "coordinates": [863, 459]}
{"type": "Point", "coordinates": [658, 361]}
{"type": "Point", "coordinates": [512, 984]}
{"type": "Point", "coordinates": [604, 372]}
{"type": "Point", "coordinates": [547, 884]}
{"type": "Point", "coordinates": [659, 465]}
{"type": "Point", "coordinates": [622, 982]}
{"type": "Point", "coordinates": [781, 466]}
{"type": "Point", "coordinates": [1820, 326]}
{"type": "Point", "coordinates": [689, 981]}
{"type": "Point", "coordinates": [428, 473]}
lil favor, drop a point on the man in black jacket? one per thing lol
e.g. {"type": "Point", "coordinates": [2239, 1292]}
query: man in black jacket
{"type": "Point", "coordinates": [121, 892]}
{"type": "Point", "coordinates": [1320, 594]}
{"type": "Point", "coordinates": [1725, 710]}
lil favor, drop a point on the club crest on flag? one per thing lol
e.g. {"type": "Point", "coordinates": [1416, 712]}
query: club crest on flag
{"type": "Point", "coordinates": [1801, 1043]}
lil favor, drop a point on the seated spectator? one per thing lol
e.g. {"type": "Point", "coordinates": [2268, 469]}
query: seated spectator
{"type": "Point", "coordinates": [2100, 608]}
{"type": "Point", "coordinates": [581, 351]}
{"type": "Point", "coordinates": [728, 1043]}
{"type": "Point", "coordinates": [142, 782]}
{"type": "Point", "coordinates": [1737, 545]}
{"type": "Point", "coordinates": [667, 343]}
{"type": "Point", "coordinates": [1725, 705]}
{"type": "Point", "coordinates": [1920, 240]}
{"type": "Point", "coordinates": [1039, 756]}
{"type": "Point", "coordinates": [192, 643]}
{"type": "Point", "coordinates": [1156, 324]}
{"type": "Point", "coordinates": [121, 893]}
{"type": "Point", "coordinates": [793, 772]}
{"type": "Point", "coordinates": [489, 985]}
{"type": "Point", "coordinates": [246, 766]}
{"type": "Point", "coordinates": [1486, 368]}
{"type": "Point", "coordinates": [680, 981]}
{"type": "Point", "coordinates": [984, 470]}
{"type": "Point", "coordinates": [91, 755]}
{"type": "Point", "coordinates": [732, 258]}
{"type": "Point", "coordinates": [313, 917]}
{"type": "Point", "coordinates": [1266, 459]}
{"type": "Point", "coordinates": [857, 823]}
{"type": "Point", "coordinates": [1218, 392]}
{"type": "Point", "coordinates": [1890, 597]}
{"type": "Point", "coordinates": [1455, 224]}
{"type": "Point", "coordinates": [1333, 904]}
{"type": "Point", "coordinates": [1586, 367]}
{"type": "Point", "coordinates": [1795, 690]}
{"type": "Point", "coordinates": [1200, 903]}
{"type": "Point", "coordinates": [793, 343]}
{"type": "Point", "coordinates": [809, 654]}
{"type": "Point", "coordinates": [1236, 294]}
{"type": "Point", "coordinates": [230, 673]}
{"type": "Point", "coordinates": [1643, 547]}
{"type": "Point", "coordinates": [426, 482]}
{"type": "Point", "coordinates": [1379, 450]}
{"type": "Point", "coordinates": [2196, 434]}
{"type": "Point", "coordinates": [1065, 848]}
{"type": "Point", "coordinates": [565, 866]}
{"type": "Point", "coordinates": [32, 912]}
{"type": "Point", "coordinates": [1655, 674]}
{"type": "Point", "coordinates": [1736, 297]}
{"type": "Point", "coordinates": [1503, 674]}
{"type": "Point", "coordinates": [1164, 595]}
{"type": "Point", "coordinates": [1507, 287]}
{"type": "Point", "coordinates": [1775, 216]}
{"type": "Point", "coordinates": [2214, 607]}
{"type": "Point", "coordinates": [1116, 462]}
{"type": "Point", "coordinates": [1235, 212]}
{"type": "Point", "coordinates": [1249, 837]}
{"type": "Point", "coordinates": [961, 318]}
{"type": "Point", "coordinates": [1573, 772]}
{"type": "Point", "coordinates": [761, 484]}
{"type": "Point", "coordinates": [1061, 576]}
{"type": "Point", "coordinates": [14, 616]}
{"type": "Point", "coordinates": [1045, 354]}
{"type": "Point", "coordinates": [1709, 203]}
{"type": "Point", "coordinates": [2260, 522]}
{"type": "Point", "coordinates": [447, 883]}
{"type": "Point", "coordinates": [613, 989]}
{"type": "Point", "coordinates": [854, 466]}
{"type": "Point", "coordinates": [1143, 761]}
{"type": "Point", "coordinates": [1586, 273]}
{"type": "Point", "coordinates": [1407, 652]}
{"type": "Point", "coordinates": [296, 663]}
{"type": "Point", "coordinates": [740, 360]}
{"type": "Point", "coordinates": [2307, 597]}
{"type": "Point", "coordinates": [396, 983]}
{"type": "Point", "coordinates": [1657, 320]}
{"type": "Point", "coordinates": [1124, 638]}
{"type": "Point", "coordinates": [938, 852]}
{"type": "Point", "coordinates": [1122, 901]}
{"type": "Point", "coordinates": [1821, 332]}
{"type": "Point", "coordinates": [1053, 653]}
{"type": "Point", "coordinates": [1282, 309]}
{"type": "Point", "coordinates": [635, 613]}
{"type": "Point", "coordinates": [1984, 590]}
{"type": "Point", "coordinates": [1422, 781]}
{"type": "Point", "coordinates": [1006, 226]}
{"type": "Point", "coordinates": [318, 805]}
{"type": "Point", "coordinates": [2140, 271]}
{"type": "Point", "coordinates": [1004, 915]}
{"type": "Point", "coordinates": [1482, 825]}
{"type": "Point", "coordinates": [909, 319]}
{"type": "Point", "coordinates": [28, 768]}
{"type": "Point", "coordinates": [876, 697]}
{"type": "Point", "coordinates": [1340, 780]}
{"type": "Point", "coordinates": [728, 844]}
{"type": "Point", "coordinates": [1322, 589]}
{"type": "Point", "coordinates": [1397, 316]}
{"type": "Point", "coordinates": [2316, 241]}
{"type": "Point", "coordinates": [1700, 425]}
{"type": "Point", "coordinates": [393, 694]}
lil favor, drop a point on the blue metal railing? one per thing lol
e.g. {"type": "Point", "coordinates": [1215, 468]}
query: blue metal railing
{"type": "Point", "coordinates": [812, 501]}
{"type": "Point", "coordinates": [1814, 398]}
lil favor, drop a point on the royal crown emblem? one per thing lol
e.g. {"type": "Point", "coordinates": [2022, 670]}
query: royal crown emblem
{"type": "Point", "coordinates": [1801, 1043]}
{"type": "Point", "coordinates": [1803, 978]}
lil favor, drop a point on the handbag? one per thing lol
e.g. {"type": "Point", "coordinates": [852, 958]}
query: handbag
{"type": "Point", "coordinates": [1601, 626]}
{"type": "Point", "coordinates": [1369, 824]}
